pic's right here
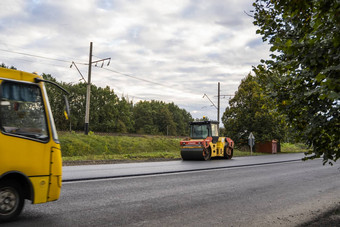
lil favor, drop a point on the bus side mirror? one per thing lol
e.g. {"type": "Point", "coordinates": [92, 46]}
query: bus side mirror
{"type": "Point", "coordinates": [67, 108]}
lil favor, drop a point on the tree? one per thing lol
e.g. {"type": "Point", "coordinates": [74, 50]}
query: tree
{"type": "Point", "coordinates": [305, 40]}
{"type": "Point", "coordinates": [181, 119]}
{"type": "Point", "coordinates": [103, 110]}
{"type": "Point", "coordinates": [2, 65]}
{"type": "Point", "coordinates": [251, 110]}
{"type": "Point", "coordinates": [143, 116]}
{"type": "Point", "coordinates": [157, 117]}
{"type": "Point", "coordinates": [125, 122]}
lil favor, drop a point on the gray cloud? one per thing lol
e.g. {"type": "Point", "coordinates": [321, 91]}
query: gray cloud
{"type": "Point", "coordinates": [186, 45]}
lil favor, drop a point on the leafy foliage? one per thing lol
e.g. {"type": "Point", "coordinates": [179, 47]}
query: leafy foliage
{"type": "Point", "coordinates": [157, 117]}
{"type": "Point", "coordinates": [2, 65]}
{"type": "Point", "coordinates": [109, 113]}
{"type": "Point", "coordinates": [251, 110]}
{"type": "Point", "coordinates": [303, 74]}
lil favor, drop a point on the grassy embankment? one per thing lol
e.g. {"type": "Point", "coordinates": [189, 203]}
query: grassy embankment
{"type": "Point", "coordinates": [78, 147]}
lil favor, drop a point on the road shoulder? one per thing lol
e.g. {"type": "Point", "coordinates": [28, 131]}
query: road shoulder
{"type": "Point", "coordinates": [329, 218]}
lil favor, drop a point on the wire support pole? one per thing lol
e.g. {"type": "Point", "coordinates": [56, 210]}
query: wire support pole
{"type": "Point", "coordinates": [73, 63]}
{"type": "Point", "coordinates": [88, 89]}
{"type": "Point", "coordinates": [213, 104]}
{"type": "Point", "coordinates": [218, 101]}
{"type": "Point", "coordinates": [88, 94]}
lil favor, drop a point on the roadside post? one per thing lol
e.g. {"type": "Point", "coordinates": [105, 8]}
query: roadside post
{"type": "Point", "coordinates": [251, 142]}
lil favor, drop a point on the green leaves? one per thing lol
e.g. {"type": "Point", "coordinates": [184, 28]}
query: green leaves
{"type": "Point", "coordinates": [252, 110]}
{"type": "Point", "coordinates": [289, 43]}
{"type": "Point", "coordinates": [307, 34]}
{"type": "Point", "coordinates": [157, 117]}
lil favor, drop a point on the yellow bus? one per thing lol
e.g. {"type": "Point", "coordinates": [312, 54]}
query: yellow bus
{"type": "Point", "coordinates": [30, 155]}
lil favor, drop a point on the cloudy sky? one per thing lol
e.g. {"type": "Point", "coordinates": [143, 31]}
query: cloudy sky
{"type": "Point", "coordinates": [173, 51]}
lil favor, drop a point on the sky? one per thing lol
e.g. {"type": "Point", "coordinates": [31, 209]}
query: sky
{"type": "Point", "coordinates": [172, 51]}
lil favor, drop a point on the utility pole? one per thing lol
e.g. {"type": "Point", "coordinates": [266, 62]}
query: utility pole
{"type": "Point", "coordinates": [88, 94]}
{"type": "Point", "coordinates": [88, 91]}
{"type": "Point", "coordinates": [218, 102]}
{"type": "Point", "coordinates": [219, 98]}
{"type": "Point", "coordinates": [218, 107]}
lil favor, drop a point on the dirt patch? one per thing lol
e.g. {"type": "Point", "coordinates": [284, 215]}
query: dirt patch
{"type": "Point", "coordinates": [329, 218]}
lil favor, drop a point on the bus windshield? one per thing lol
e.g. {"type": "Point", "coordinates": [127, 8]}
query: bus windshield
{"type": "Point", "coordinates": [22, 111]}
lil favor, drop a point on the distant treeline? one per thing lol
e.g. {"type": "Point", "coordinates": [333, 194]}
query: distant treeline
{"type": "Point", "coordinates": [109, 113]}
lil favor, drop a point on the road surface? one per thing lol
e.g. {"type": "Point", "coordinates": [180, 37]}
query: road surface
{"type": "Point", "coordinates": [87, 172]}
{"type": "Point", "coordinates": [278, 194]}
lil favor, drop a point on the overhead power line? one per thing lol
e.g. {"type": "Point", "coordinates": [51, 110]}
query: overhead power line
{"type": "Point", "coordinates": [38, 56]}
{"type": "Point", "coordinates": [108, 69]}
{"type": "Point", "coordinates": [134, 77]}
{"type": "Point", "coordinates": [74, 63]}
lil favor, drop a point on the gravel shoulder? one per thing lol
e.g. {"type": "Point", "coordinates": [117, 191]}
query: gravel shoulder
{"type": "Point", "coordinates": [329, 218]}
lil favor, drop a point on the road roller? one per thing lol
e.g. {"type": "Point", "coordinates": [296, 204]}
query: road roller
{"type": "Point", "coordinates": [205, 143]}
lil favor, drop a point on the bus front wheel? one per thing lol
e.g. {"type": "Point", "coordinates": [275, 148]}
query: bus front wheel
{"type": "Point", "coordinates": [11, 200]}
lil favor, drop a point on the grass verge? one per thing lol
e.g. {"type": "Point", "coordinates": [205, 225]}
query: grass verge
{"type": "Point", "coordinates": [293, 148]}
{"type": "Point", "coordinates": [79, 147]}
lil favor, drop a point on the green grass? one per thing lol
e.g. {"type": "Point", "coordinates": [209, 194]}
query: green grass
{"type": "Point", "coordinates": [293, 148]}
{"type": "Point", "coordinates": [79, 147]}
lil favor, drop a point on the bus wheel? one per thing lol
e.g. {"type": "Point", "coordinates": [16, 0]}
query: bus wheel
{"type": "Point", "coordinates": [11, 200]}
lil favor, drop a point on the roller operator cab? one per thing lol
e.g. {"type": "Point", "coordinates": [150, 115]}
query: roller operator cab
{"type": "Point", "coordinates": [205, 143]}
{"type": "Point", "coordinates": [30, 155]}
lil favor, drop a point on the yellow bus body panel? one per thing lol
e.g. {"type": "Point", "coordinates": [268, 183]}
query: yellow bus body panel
{"type": "Point", "coordinates": [39, 161]}
{"type": "Point", "coordinates": [40, 187]}
{"type": "Point", "coordinates": [26, 156]}
{"type": "Point", "coordinates": [56, 174]}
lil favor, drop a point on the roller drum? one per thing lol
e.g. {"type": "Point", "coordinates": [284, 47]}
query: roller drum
{"type": "Point", "coordinates": [192, 154]}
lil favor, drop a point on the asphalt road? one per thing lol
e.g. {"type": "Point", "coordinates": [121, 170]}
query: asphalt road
{"type": "Point", "coordinates": [279, 194]}
{"type": "Point", "coordinates": [86, 172]}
